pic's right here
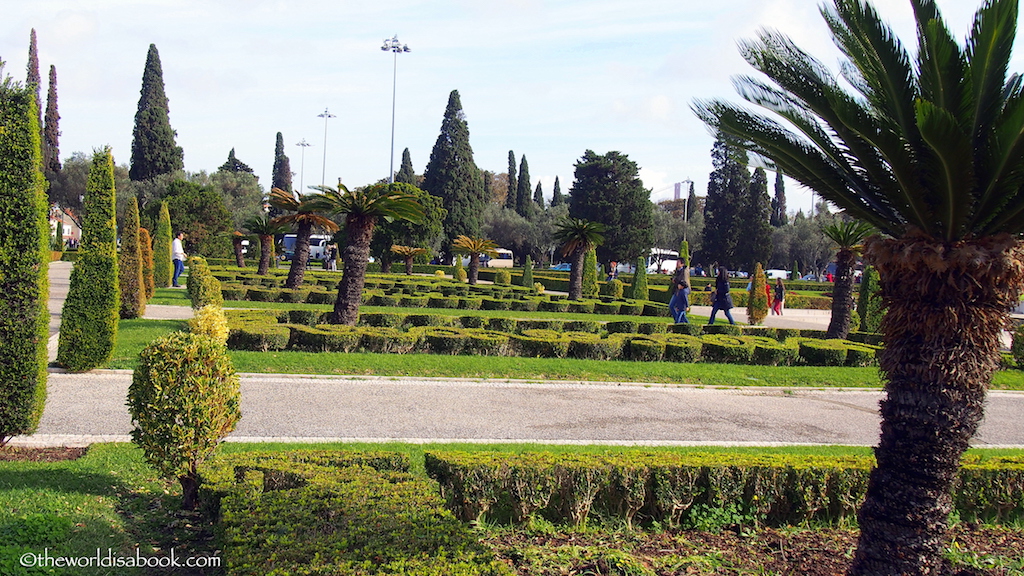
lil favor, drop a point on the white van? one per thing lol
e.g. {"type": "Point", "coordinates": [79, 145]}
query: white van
{"type": "Point", "coordinates": [317, 247]}
{"type": "Point", "coordinates": [502, 260]}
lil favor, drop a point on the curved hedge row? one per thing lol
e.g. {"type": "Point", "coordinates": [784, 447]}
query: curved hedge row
{"type": "Point", "coordinates": [265, 330]}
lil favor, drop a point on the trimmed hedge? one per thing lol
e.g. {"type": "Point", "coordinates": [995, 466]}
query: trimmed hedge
{"type": "Point", "coordinates": [675, 489]}
{"type": "Point", "coordinates": [292, 513]}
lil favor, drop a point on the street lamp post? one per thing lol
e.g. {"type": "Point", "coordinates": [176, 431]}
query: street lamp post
{"type": "Point", "coordinates": [326, 115]}
{"type": "Point", "coordinates": [302, 165]}
{"type": "Point", "coordinates": [393, 45]}
{"type": "Point", "coordinates": [686, 209]}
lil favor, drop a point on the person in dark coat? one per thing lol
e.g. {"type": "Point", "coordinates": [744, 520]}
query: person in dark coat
{"type": "Point", "coordinates": [680, 295]}
{"type": "Point", "coordinates": [722, 298]}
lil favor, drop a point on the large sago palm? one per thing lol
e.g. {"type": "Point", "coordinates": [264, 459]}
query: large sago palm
{"type": "Point", "coordinates": [362, 208]}
{"type": "Point", "coordinates": [849, 238]}
{"type": "Point", "coordinates": [264, 229]}
{"type": "Point", "coordinates": [930, 150]}
{"type": "Point", "coordinates": [577, 237]}
{"type": "Point", "coordinates": [306, 218]}
{"type": "Point", "coordinates": [474, 247]}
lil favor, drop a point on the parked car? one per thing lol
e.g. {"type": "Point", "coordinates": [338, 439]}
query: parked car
{"type": "Point", "coordinates": [564, 267]}
{"type": "Point", "coordinates": [774, 273]}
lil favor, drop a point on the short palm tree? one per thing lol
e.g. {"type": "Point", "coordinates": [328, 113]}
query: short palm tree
{"type": "Point", "coordinates": [264, 228]}
{"type": "Point", "coordinates": [849, 237]}
{"type": "Point", "coordinates": [408, 253]}
{"type": "Point", "coordinates": [577, 237]}
{"type": "Point", "coordinates": [305, 218]}
{"type": "Point", "coordinates": [474, 247]}
{"type": "Point", "coordinates": [930, 150]}
{"type": "Point", "coordinates": [362, 208]}
{"type": "Point", "coordinates": [236, 244]}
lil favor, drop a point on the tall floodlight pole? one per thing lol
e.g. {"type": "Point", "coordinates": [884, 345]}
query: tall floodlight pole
{"type": "Point", "coordinates": [393, 45]}
{"type": "Point", "coordinates": [302, 165]}
{"type": "Point", "coordinates": [686, 208]}
{"type": "Point", "coordinates": [326, 115]}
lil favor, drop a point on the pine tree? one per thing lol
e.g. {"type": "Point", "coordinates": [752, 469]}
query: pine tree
{"type": "Point", "coordinates": [755, 243]}
{"type": "Point", "coordinates": [513, 184]}
{"type": "Point", "coordinates": [406, 174]}
{"type": "Point", "coordinates": [154, 151]}
{"type": "Point", "coordinates": [453, 176]}
{"type": "Point", "coordinates": [728, 188]}
{"type": "Point", "coordinates": [608, 190]}
{"type": "Point", "coordinates": [556, 197]}
{"type": "Point", "coordinates": [233, 164]}
{"type": "Point", "coordinates": [163, 268]}
{"type": "Point", "coordinates": [130, 264]}
{"type": "Point", "coordinates": [24, 260]}
{"type": "Point", "coordinates": [88, 325]}
{"type": "Point", "coordinates": [51, 131]}
{"type": "Point", "coordinates": [282, 173]}
{"type": "Point", "coordinates": [779, 217]}
{"type": "Point", "coordinates": [523, 191]}
{"type": "Point", "coordinates": [538, 196]}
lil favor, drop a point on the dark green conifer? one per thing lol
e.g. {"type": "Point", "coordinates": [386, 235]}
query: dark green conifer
{"type": "Point", "coordinates": [282, 176]}
{"type": "Point", "coordinates": [154, 151]}
{"type": "Point", "coordinates": [523, 191]}
{"type": "Point", "coordinates": [33, 79]}
{"type": "Point", "coordinates": [557, 199]}
{"type": "Point", "coordinates": [513, 184]}
{"type": "Point", "coordinates": [163, 268]}
{"type": "Point", "coordinates": [406, 174]}
{"type": "Point", "coordinates": [779, 217]}
{"type": "Point", "coordinates": [130, 264]}
{"type": "Point", "coordinates": [233, 164]}
{"type": "Point", "coordinates": [89, 319]}
{"type": "Point", "coordinates": [453, 176]}
{"type": "Point", "coordinates": [24, 317]}
{"type": "Point", "coordinates": [538, 196]}
{"type": "Point", "coordinates": [51, 130]}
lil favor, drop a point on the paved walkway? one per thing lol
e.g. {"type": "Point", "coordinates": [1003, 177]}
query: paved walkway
{"type": "Point", "coordinates": [90, 407]}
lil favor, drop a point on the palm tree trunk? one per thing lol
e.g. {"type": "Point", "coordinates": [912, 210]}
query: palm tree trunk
{"type": "Point", "coordinates": [298, 269]}
{"type": "Point", "coordinates": [408, 266]}
{"type": "Point", "coordinates": [239, 258]}
{"type": "Point", "coordinates": [266, 251]}
{"type": "Point", "coordinates": [359, 232]}
{"type": "Point", "coordinates": [385, 264]}
{"type": "Point", "coordinates": [474, 267]}
{"type": "Point", "coordinates": [842, 295]}
{"type": "Point", "coordinates": [576, 275]}
{"type": "Point", "coordinates": [947, 304]}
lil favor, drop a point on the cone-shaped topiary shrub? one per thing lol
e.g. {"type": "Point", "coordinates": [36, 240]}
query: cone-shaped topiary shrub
{"type": "Point", "coordinates": [163, 268]}
{"type": "Point", "coordinates": [757, 298]}
{"type": "Point", "coordinates": [183, 400]}
{"type": "Point", "coordinates": [527, 279]}
{"type": "Point", "coordinates": [590, 274]}
{"type": "Point", "coordinates": [869, 301]}
{"type": "Point", "coordinates": [88, 325]}
{"type": "Point", "coordinates": [640, 291]}
{"type": "Point", "coordinates": [203, 289]}
{"type": "Point", "coordinates": [146, 246]}
{"type": "Point", "coordinates": [129, 265]}
{"type": "Point", "coordinates": [24, 259]}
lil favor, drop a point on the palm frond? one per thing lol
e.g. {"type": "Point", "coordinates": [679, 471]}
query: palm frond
{"type": "Point", "coordinates": [989, 46]}
{"type": "Point", "coordinates": [849, 235]}
{"type": "Point", "coordinates": [578, 234]}
{"type": "Point", "coordinates": [470, 245]}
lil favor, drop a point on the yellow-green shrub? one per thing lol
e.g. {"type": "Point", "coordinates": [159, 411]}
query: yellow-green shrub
{"type": "Point", "coordinates": [210, 321]}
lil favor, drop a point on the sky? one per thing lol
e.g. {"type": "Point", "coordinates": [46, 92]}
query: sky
{"type": "Point", "coordinates": [545, 79]}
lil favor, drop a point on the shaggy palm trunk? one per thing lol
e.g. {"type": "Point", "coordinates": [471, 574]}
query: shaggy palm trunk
{"type": "Point", "coordinates": [266, 252]}
{"type": "Point", "coordinates": [474, 267]}
{"type": "Point", "coordinates": [947, 304]}
{"type": "Point", "coordinates": [239, 259]}
{"type": "Point", "coordinates": [385, 265]}
{"type": "Point", "coordinates": [358, 232]}
{"type": "Point", "coordinates": [298, 269]}
{"type": "Point", "coordinates": [842, 295]}
{"type": "Point", "coordinates": [576, 274]}
{"type": "Point", "coordinates": [408, 266]}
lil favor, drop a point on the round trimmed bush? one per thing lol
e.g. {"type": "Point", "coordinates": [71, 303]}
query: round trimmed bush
{"type": "Point", "coordinates": [506, 325]}
{"type": "Point", "coordinates": [324, 338]}
{"type": "Point", "coordinates": [469, 303]}
{"type": "Point", "coordinates": [388, 340]}
{"type": "Point", "coordinates": [541, 324]}
{"type": "Point", "coordinates": [580, 307]}
{"type": "Point", "coordinates": [428, 320]}
{"type": "Point", "coordinates": [593, 347]}
{"type": "Point", "coordinates": [726, 349]}
{"type": "Point", "coordinates": [591, 326]}
{"type": "Point", "coordinates": [622, 327]}
{"type": "Point", "coordinates": [382, 319]}
{"type": "Point", "coordinates": [861, 354]}
{"type": "Point", "coordinates": [525, 305]}
{"type": "Point", "coordinates": [494, 304]}
{"type": "Point", "coordinates": [486, 343]}
{"type": "Point", "coordinates": [502, 278]}
{"type": "Point", "coordinates": [651, 327]}
{"type": "Point", "coordinates": [444, 340]}
{"type": "Point", "coordinates": [607, 307]}
{"type": "Point", "coordinates": [773, 353]}
{"type": "Point", "coordinates": [727, 329]}
{"type": "Point", "coordinates": [472, 321]}
{"type": "Point", "coordinates": [321, 297]}
{"type": "Point", "coordinates": [554, 306]}
{"type": "Point", "coordinates": [615, 288]}
{"type": "Point", "coordinates": [210, 320]}
{"type": "Point", "coordinates": [183, 400]}
{"type": "Point", "coordinates": [540, 344]}
{"type": "Point", "coordinates": [688, 329]}
{"type": "Point", "coordinates": [293, 296]}
{"type": "Point", "coordinates": [631, 308]}
{"type": "Point", "coordinates": [823, 352]}
{"type": "Point", "coordinates": [645, 349]}
{"type": "Point", "coordinates": [683, 348]}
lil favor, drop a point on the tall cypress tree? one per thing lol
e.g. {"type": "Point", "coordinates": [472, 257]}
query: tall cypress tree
{"type": "Point", "coordinates": [33, 79]}
{"type": "Point", "coordinates": [557, 199]}
{"type": "Point", "coordinates": [146, 243]}
{"type": "Point", "coordinates": [523, 191]}
{"type": "Point", "coordinates": [453, 176]}
{"type": "Point", "coordinates": [406, 174]}
{"type": "Point", "coordinates": [779, 217]}
{"type": "Point", "coordinates": [282, 176]}
{"type": "Point", "coordinates": [163, 268]}
{"type": "Point", "coordinates": [538, 196]}
{"type": "Point", "coordinates": [511, 197]}
{"type": "Point", "coordinates": [88, 325]}
{"type": "Point", "coordinates": [154, 151]}
{"type": "Point", "coordinates": [51, 131]}
{"type": "Point", "coordinates": [24, 259]}
{"type": "Point", "coordinates": [727, 194]}
{"type": "Point", "coordinates": [130, 264]}
{"type": "Point", "coordinates": [755, 223]}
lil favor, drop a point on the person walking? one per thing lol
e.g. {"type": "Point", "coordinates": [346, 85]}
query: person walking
{"type": "Point", "coordinates": [722, 298]}
{"type": "Point", "coordinates": [680, 300]}
{"type": "Point", "coordinates": [780, 297]}
{"type": "Point", "coordinates": [178, 256]}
